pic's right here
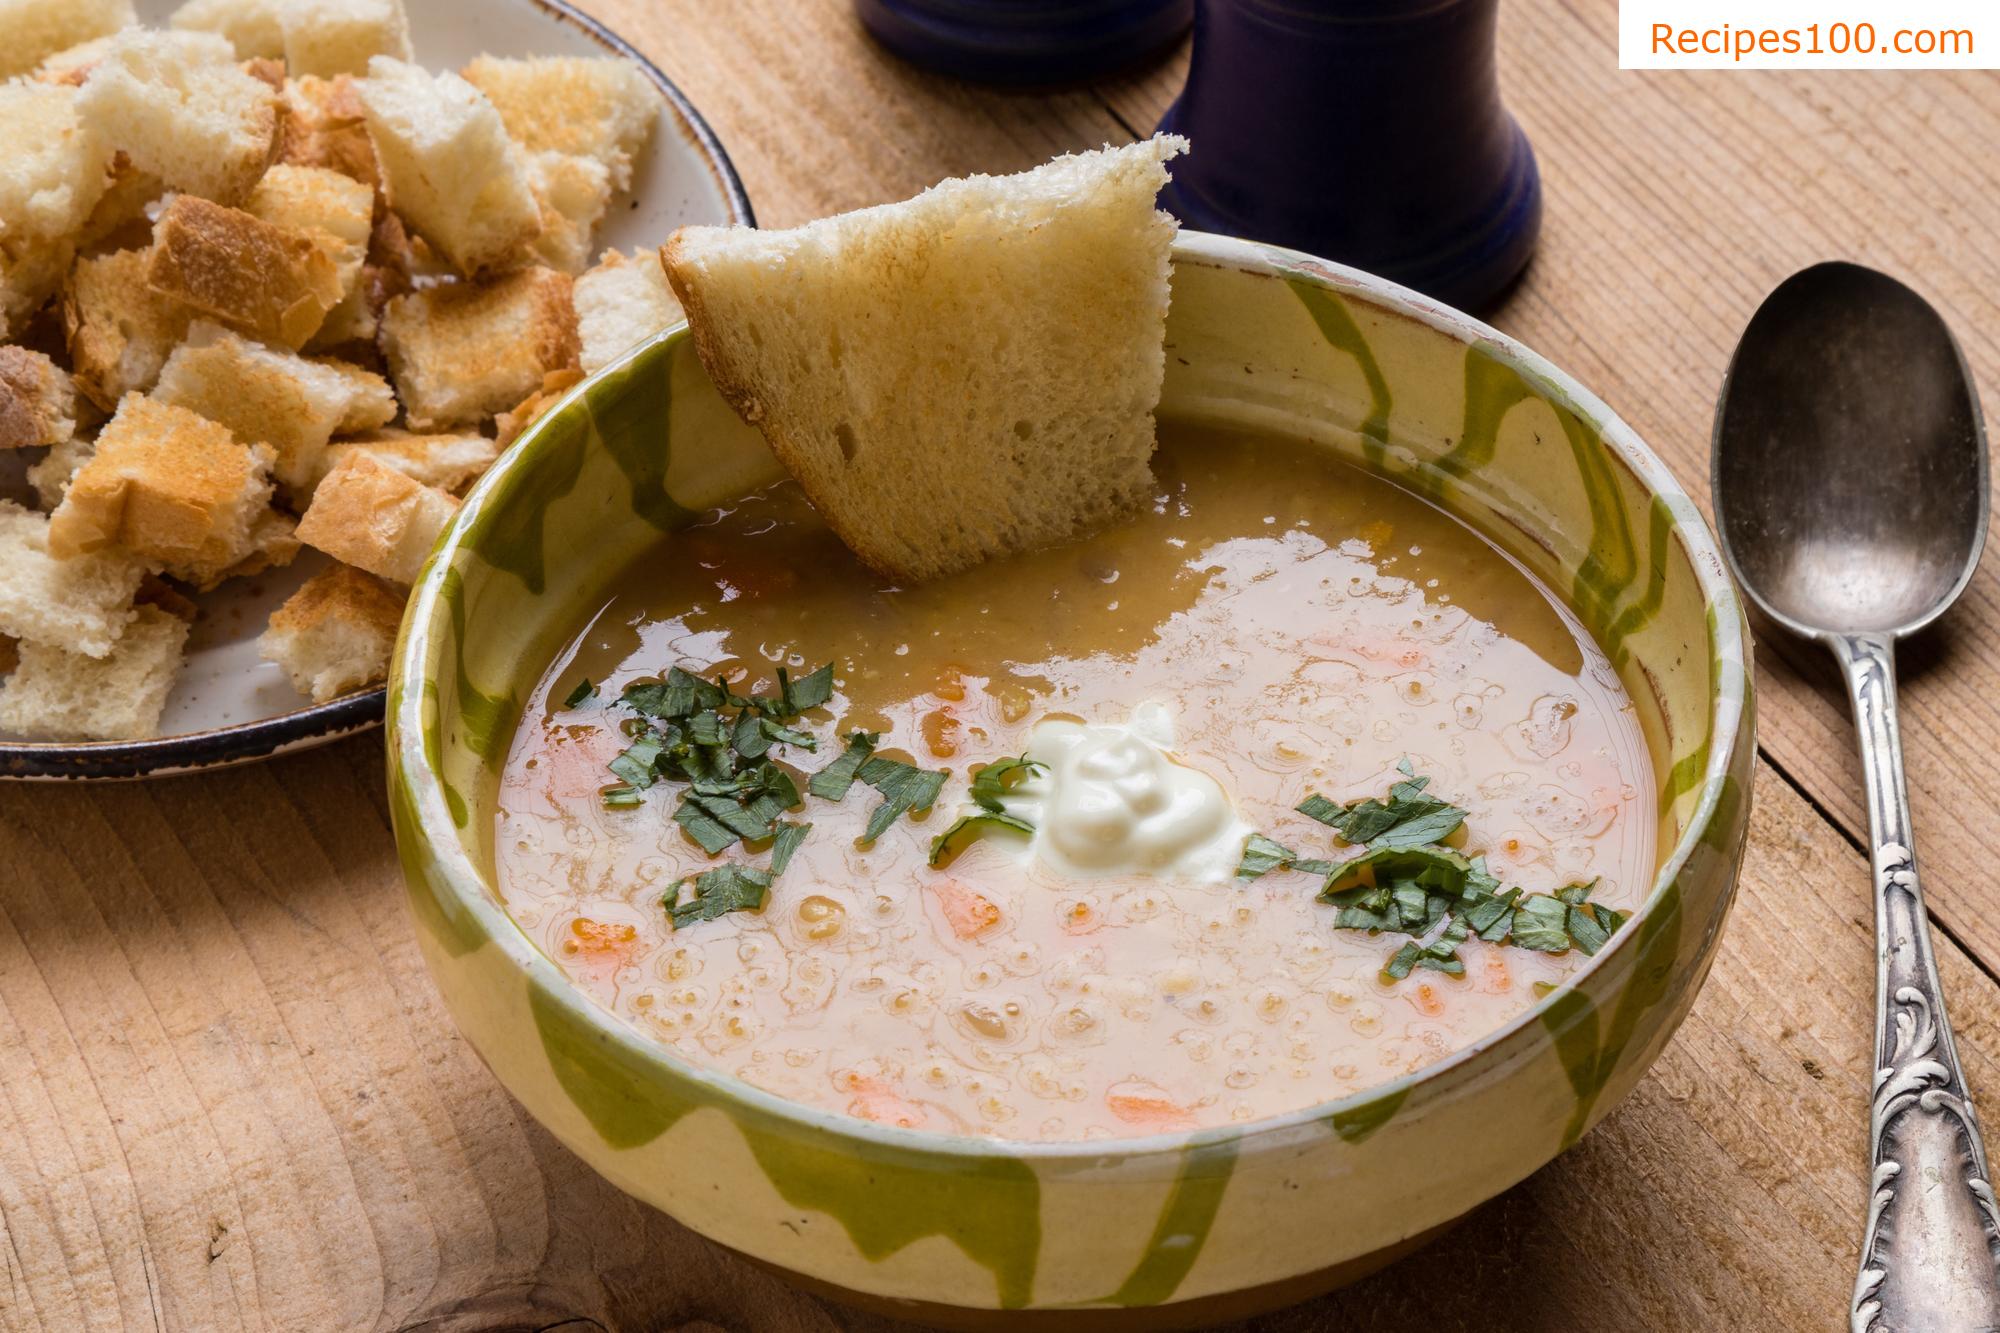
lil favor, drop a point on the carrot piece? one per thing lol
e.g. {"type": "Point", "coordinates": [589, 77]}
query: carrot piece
{"type": "Point", "coordinates": [1147, 1107]}
{"type": "Point", "coordinates": [965, 911]}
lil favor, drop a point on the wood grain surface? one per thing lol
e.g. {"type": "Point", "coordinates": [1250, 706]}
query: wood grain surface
{"type": "Point", "coordinates": [230, 1098]}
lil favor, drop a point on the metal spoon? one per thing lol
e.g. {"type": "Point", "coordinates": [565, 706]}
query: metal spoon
{"type": "Point", "coordinates": [1850, 485]}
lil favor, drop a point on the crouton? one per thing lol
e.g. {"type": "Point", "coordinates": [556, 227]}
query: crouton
{"type": "Point", "coordinates": [598, 107]}
{"type": "Point", "coordinates": [509, 424]}
{"type": "Point", "coordinates": [119, 330]}
{"type": "Point", "coordinates": [367, 514]}
{"type": "Point", "coordinates": [619, 304]}
{"type": "Point", "coordinates": [338, 212]}
{"type": "Point", "coordinates": [447, 165]}
{"type": "Point", "coordinates": [54, 168]}
{"type": "Point", "coordinates": [37, 400]}
{"type": "Point", "coordinates": [172, 487]}
{"type": "Point", "coordinates": [33, 30]}
{"type": "Point", "coordinates": [31, 271]}
{"type": "Point", "coordinates": [334, 634]}
{"type": "Point", "coordinates": [461, 352]}
{"type": "Point", "coordinates": [71, 65]}
{"type": "Point", "coordinates": [199, 123]}
{"type": "Point", "coordinates": [50, 477]}
{"type": "Point", "coordinates": [447, 462]}
{"type": "Point", "coordinates": [66, 696]}
{"type": "Point", "coordinates": [81, 605]}
{"type": "Point", "coordinates": [264, 396]}
{"type": "Point", "coordinates": [370, 401]}
{"type": "Point", "coordinates": [325, 125]}
{"type": "Point", "coordinates": [252, 27]}
{"type": "Point", "coordinates": [1047, 409]}
{"type": "Point", "coordinates": [267, 281]}
{"type": "Point", "coordinates": [273, 542]}
{"type": "Point", "coordinates": [329, 37]}
{"type": "Point", "coordinates": [119, 219]}
{"type": "Point", "coordinates": [572, 194]}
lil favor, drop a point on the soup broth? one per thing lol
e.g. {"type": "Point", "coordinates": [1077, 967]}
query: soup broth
{"type": "Point", "coordinates": [1300, 625]}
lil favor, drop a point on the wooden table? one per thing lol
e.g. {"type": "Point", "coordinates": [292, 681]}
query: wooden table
{"type": "Point", "coordinates": [229, 1096]}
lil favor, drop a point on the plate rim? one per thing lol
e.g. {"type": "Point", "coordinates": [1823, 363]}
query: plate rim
{"type": "Point", "coordinates": [317, 724]}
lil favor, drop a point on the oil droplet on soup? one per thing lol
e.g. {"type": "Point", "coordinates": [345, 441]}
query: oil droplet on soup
{"type": "Point", "coordinates": [1306, 624]}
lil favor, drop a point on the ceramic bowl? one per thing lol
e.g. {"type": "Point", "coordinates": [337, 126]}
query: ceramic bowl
{"type": "Point", "coordinates": [1172, 1228]}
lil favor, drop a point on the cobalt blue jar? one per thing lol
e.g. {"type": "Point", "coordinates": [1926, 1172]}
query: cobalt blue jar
{"type": "Point", "coordinates": [1026, 42]}
{"type": "Point", "coordinates": [1367, 131]}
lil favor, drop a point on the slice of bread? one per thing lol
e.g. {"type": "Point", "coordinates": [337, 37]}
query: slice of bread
{"type": "Point", "coordinates": [264, 396]}
{"type": "Point", "coordinates": [253, 27]}
{"type": "Point", "coordinates": [33, 30]}
{"type": "Point", "coordinates": [448, 462]}
{"type": "Point", "coordinates": [325, 125]}
{"type": "Point", "coordinates": [619, 304]}
{"type": "Point", "coordinates": [970, 373]}
{"type": "Point", "coordinates": [461, 352]}
{"type": "Point", "coordinates": [267, 281]}
{"type": "Point", "coordinates": [81, 605]}
{"type": "Point", "coordinates": [53, 171]}
{"type": "Point", "coordinates": [367, 514]}
{"type": "Point", "coordinates": [177, 105]}
{"type": "Point", "coordinates": [37, 400]}
{"type": "Point", "coordinates": [119, 329]}
{"type": "Point", "coordinates": [598, 107]}
{"type": "Point", "coordinates": [51, 476]}
{"type": "Point", "coordinates": [60, 695]}
{"type": "Point", "coordinates": [572, 193]}
{"type": "Point", "coordinates": [329, 37]}
{"type": "Point", "coordinates": [172, 487]}
{"type": "Point", "coordinates": [448, 166]}
{"type": "Point", "coordinates": [334, 634]}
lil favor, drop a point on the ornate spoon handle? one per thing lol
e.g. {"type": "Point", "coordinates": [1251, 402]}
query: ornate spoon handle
{"type": "Point", "coordinates": [1927, 1258]}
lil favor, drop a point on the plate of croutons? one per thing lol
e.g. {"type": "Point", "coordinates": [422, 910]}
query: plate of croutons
{"type": "Point", "coordinates": [279, 279]}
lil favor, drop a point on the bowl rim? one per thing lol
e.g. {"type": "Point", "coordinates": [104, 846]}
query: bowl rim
{"type": "Point", "coordinates": [439, 834]}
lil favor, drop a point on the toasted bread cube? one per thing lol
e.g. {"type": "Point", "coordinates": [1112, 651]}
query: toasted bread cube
{"type": "Point", "coordinates": [367, 514]}
{"type": "Point", "coordinates": [33, 30]}
{"type": "Point", "coordinates": [71, 65]}
{"type": "Point", "coordinates": [31, 271]}
{"type": "Point", "coordinates": [598, 107]}
{"type": "Point", "coordinates": [508, 426]}
{"type": "Point", "coordinates": [448, 166]}
{"type": "Point", "coordinates": [264, 396]}
{"type": "Point", "coordinates": [334, 634]}
{"type": "Point", "coordinates": [119, 329]}
{"type": "Point", "coordinates": [371, 403]}
{"type": "Point", "coordinates": [37, 400]}
{"type": "Point", "coordinates": [51, 476]}
{"type": "Point", "coordinates": [128, 193]}
{"type": "Point", "coordinates": [329, 37]}
{"type": "Point", "coordinates": [338, 212]}
{"type": "Point", "coordinates": [81, 605]}
{"type": "Point", "coordinates": [572, 193]}
{"type": "Point", "coordinates": [273, 542]}
{"type": "Point", "coordinates": [325, 125]}
{"type": "Point", "coordinates": [269, 282]}
{"type": "Point", "coordinates": [54, 168]}
{"type": "Point", "coordinates": [199, 123]}
{"type": "Point", "coordinates": [172, 487]}
{"type": "Point", "coordinates": [447, 462]}
{"type": "Point", "coordinates": [253, 27]}
{"type": "Point", "coordinates": [462, 352]}
{"type": "Point", "coordinates": [61, 695]}
{"type": "Point", "coordinates": [619, 304]}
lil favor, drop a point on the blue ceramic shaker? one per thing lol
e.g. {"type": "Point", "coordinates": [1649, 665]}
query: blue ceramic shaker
{"type": "Point", "coordinates": [1026, 42]}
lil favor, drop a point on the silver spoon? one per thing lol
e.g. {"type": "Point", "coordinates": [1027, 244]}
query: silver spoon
{"type": "Point", "coordinates": [1850, 487]}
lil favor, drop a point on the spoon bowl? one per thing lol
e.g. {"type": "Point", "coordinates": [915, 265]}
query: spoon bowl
{"type": "Point", "coordinates": [1850, 462]}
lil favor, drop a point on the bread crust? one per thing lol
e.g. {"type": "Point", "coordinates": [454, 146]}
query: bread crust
{"type": "Point", "coordinates": [268, 282]}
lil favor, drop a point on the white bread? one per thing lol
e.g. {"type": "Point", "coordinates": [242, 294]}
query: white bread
{"type": "Point", "coordinates": [196, 121]}
{"type": "Point", "coordinates": [325, 125]}
{"type": "Point", "coordinates": [447, 165]}
{"type": "Point", "coordinates": [619, 304]}
{"type": "Point", "coordinates": [269, 282]}
{"type": "Point", "coordinates": [50, 477]}
{"type": "Point", "coordinates": [119, 219]}
{"type": "Point", "coordinates": [264, 395]}
{"type": "Point", "coordinates": [53, 169]}
{"type": "Point", "coordinates": [253, 27]}
{"type": "Point", "coordinates": [461, 352]}
{"type": "Point", "coordinates": [371, 403]}
{"type": "Point", "coordinates": [970, 373]}
{"type": "Point", "coordinates": [338, 212]}
{"type": "Point", "coordinates": [172, 487]}
{"type": "Point", "coordinates": [71, 65]}
{"type": "Point", "coordinates": [572, 193]}
{"type": "Point", "coordinates": [273, 542]}
{"type": "Point", "coordinates": [119, 329]}
{"type": "Point", "coordinates": [33, 30]}
{"type": "Point", "coordinates": [367, 514]}
{"type": "Point", "coordinates": [598, 107]}
{"type": "Point", "coordinates": [329, 37]}
{"type": "Point", "coordinates": [81, 605]}
{"type": "Point", "coordinates": [66, 696]}
{"type": "Point", "coordinates": [334, 634]}
{"type": "Point", "coordinates": [37, 400]}
{"type": "Point", "coordinates": [447, 462]}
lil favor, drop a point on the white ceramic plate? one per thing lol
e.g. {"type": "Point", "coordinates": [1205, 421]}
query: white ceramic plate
{"type": "Point", "coordinates": [231, 707]}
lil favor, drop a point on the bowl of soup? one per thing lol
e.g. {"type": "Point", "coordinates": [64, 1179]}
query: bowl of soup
{"type": "Point", "coordinates": [1144, 931]}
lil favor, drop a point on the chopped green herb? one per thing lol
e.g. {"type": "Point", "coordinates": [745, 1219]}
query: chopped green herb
{"type": "Point", "coordinates": [581, 695]}
{"type": "Point", "coordinates": [1261, 855]}
{"type": "Point", "coordinates": [1409, 818]}
{"type": "Point", "coordinates": [809, 691]}
{"type": "Point", "coordinates": [994, 780]}
{"type": "Point", "coordinates": [968, 828]}
{"type": "Point", "coordinates": [634, 763]}
{"type": "Point", "coordinates": [831, 783]}
{"type": "Point", "coordinates": [707, 832]}
{"type": "Point", "coordinates": [904, 787]}
{"type": "Point", "coordinates": [1540, 923]}
{"type": "Point", "coordinates": [786, 841]}
{"type": "Point", "coordinates": [621, 797]}
{"type": "Point", "coordinates": [727, 888]}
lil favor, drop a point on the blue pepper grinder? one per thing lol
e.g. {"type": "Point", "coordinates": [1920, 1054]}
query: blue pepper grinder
{"type": "Point", "coordinates": [1026, 43]}
{"type": "Point", "coordinates": [1366, 131]}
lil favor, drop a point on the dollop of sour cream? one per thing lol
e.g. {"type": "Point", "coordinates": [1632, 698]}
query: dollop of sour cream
{"type": "Point", "coordinates": [1113, 800]}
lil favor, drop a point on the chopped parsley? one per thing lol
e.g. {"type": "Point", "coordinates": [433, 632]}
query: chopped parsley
{"type": "Point", "coordinates": [831, 783]}
{"type": "Point", "coordinates": [727, 888]}
{"type": "Point", "coordinates": [905, 788]}
{"type": "Point", "coordinates": [1409, 818]}
{"type": "Point", "coordinates": [785, 842]}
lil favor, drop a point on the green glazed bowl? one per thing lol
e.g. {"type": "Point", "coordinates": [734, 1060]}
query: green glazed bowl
{"type": "Point", "coordinates": [1168, 1229]}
